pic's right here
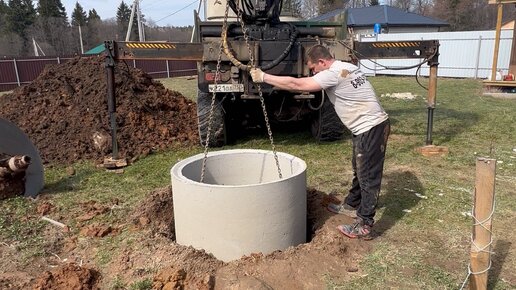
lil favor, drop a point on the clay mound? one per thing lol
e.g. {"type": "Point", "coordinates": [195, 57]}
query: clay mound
{"type": "Point", "coordinates": [156, 213]}
{"type": "Point", "coordinates": [68, 276]}
{"type": "Point", "coordinates": [65, 112]}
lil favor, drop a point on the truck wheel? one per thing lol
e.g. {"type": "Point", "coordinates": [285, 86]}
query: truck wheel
{"type": "Point", "coordinates": [218, 127]}
{"type": "Point", "coordinates": [326, 124]}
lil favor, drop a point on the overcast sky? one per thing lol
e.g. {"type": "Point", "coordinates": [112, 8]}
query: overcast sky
{"type": "Point", "coordinates": [157, 10]}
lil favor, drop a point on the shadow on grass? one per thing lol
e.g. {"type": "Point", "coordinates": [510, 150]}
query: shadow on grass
{"type": "Point", "coordinates": [501, 251]}
{"type": "Point", "coordinates": [67, 183]}
{"type": "Point", "coordinates": [399, 189]}
{"type": "Point", "coordinates": [290, 136]}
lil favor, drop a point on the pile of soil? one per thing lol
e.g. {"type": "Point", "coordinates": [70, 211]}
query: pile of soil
{"type": "Point", "coordinates": [65, 112]}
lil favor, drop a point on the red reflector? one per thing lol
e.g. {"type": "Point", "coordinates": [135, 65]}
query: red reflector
{"type": "Point", "coordinates": [210, 76]}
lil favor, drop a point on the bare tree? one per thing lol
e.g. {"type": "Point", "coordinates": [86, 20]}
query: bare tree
{"type": "Point", "coordinates": [309, 9]}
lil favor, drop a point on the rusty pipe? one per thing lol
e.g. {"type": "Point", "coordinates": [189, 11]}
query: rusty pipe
{"type": "Point", "coordinates": [16, 163]}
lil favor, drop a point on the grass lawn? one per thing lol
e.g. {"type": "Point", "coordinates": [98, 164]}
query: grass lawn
{"type": "Point", "coordinates": [425, 237]}
{"type": "Point", "coordinates": [4, 93]}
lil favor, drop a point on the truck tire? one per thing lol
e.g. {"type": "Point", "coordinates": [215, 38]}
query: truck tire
{"type": "Point", "coordinates": [326, 124]}
{"type": "Point", "coordinates": [218, 126]}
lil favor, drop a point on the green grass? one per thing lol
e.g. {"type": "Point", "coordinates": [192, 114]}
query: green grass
{"type": "Point", "coordinates": [427, 248]}
{"type": "Point", "coordinates": [5, 93]}
{"type": "Point", "coordinates": [187, 86]}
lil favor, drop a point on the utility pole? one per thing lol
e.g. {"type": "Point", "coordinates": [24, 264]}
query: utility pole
{"type": "Point", "coordinates": [130, 26]}
{"type": "Point", "coordinates": [141, 31]}
{"type": "Point", "coordinates": [141, 28]}
{"type": "Point", "coordinates": [80, 39]}
{"type": "Point", "coordinates": [36, 52]}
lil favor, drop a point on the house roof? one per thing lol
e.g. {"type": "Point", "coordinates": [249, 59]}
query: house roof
{"type": "Point", "coordinates": [96, 50]}
{"type": "Point", "coordinates": [383, 14]}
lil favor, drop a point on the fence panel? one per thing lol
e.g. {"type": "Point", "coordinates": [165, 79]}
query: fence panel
{"type": "Point", "coordinates": [8, 80]}
{"type": "Point", "coordinates": [16, 72]}
{"type": "Point", "coordinates": [464, 54]}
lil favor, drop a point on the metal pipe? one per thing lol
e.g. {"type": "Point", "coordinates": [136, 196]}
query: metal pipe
{"type": "Point", "coordinates": [110, 75]}
{"type": "Point", "coordinates": [16, 163]}
{"type": "Point", "coordinates": [432, 91]}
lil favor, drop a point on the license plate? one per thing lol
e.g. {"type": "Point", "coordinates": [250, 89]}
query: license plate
{"type": "Point", "coordinates": [227, 88]}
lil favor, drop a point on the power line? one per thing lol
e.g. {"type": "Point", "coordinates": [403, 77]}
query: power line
{"type": "Point", "coordinates": [177, 11]}
{"type": "Point", "coordinates": [152, 4]}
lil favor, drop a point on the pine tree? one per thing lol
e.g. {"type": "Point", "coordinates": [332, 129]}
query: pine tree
{"type": "Point", "coordinates": [3, 15]}
{"type": "Point", "coordinates": [78, 15]}
{"type": "Point", "coordinates": [51, 8]}
{"type": "Point", "coordinates": [93, 16]}
{"type": "Point", "coordinates": [20, 16]}
{"type": "Point", "coordinates": [93, 23]}
{"type": "Point", "coordinates": [53, 23]}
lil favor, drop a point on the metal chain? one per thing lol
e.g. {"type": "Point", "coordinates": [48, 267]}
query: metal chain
{"type": "Point", "coordinates": [260, 93]}
{"type": "Point", "coordinates": [214, 93]}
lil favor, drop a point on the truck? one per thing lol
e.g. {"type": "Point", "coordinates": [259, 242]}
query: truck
{"type": "Point", "coordinates": [265, 34]}
{"type": "Point", "coordinates": [237, 35]}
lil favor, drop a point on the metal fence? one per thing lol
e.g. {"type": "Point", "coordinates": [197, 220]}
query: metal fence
{"type": "Point", "coordinates": [464, 54]}
{"type": "Point", "coordinates": [15, 72]}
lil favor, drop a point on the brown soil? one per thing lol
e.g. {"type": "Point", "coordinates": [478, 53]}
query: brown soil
{"type": "Point", "coordinates": [65, 112]}
{"type": "Point", "coordinates": [12, 185]}
{"type": "Point", "coordinates": [71, 259]}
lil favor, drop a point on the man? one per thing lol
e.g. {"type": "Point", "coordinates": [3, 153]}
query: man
{"type": "Point", "coordinates": [359, 110]}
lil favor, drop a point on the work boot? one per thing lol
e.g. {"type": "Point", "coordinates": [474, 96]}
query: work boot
{"type": "Point", "coordinates": [357, 229]}
{"type": "Point", "coordinates": [343, 208]}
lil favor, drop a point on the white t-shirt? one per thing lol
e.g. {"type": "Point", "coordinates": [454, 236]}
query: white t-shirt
{"type": "Point", "coordinates": [353, 96]}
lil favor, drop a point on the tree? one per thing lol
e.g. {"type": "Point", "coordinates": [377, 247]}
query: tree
{"type": "Point", "coordinates": [93, 24]}
{"type": "Point", "coordinates": [374, 3]}
{"type": "Point", "coordinates": [51, 8]}
{"type": "Point", "coordinates": [93, 15]}
{"type": "Point", "coordinates": [325, 6]}
{"type": "Point", "coordinates": [309, 8]}
{"type": "Point", "coordinates": [78, 15]}
{"type": "Point", "coordinates": [20, 16]}
{"type": "Point", "coordinates": [4, 9]}
{"type": "Point", "coordinates": [292, 7]}
{"type": "Point", "coordinates": [53, 23]}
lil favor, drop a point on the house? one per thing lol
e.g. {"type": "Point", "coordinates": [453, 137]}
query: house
{"type": "Point", "coordinates": [361, 21]}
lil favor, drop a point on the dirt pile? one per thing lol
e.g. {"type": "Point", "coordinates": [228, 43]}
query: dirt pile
{"type": "Point", "coordinates": [65, 112]}
{"type": "Point", "coordinates": [68, 276]}
{"type": "Point", "coordinates": [158, 213]}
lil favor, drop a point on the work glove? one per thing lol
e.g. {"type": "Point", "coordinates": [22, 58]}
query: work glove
{"type": "Point", "coordinates": [257, 75]}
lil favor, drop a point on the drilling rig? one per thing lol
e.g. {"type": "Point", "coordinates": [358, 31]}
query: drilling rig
{"type": "Point", "coordinates": [237, 35]}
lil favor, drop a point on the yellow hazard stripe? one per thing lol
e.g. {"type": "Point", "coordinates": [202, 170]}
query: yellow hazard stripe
{"type": "Point", "coordinates": [397, 44]}
{"type": "Point", "coordinates": [146, 45]}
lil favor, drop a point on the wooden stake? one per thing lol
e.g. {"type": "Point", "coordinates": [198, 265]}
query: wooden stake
{"type": "Point", "coordinates": [497, 41]}
{"type": "Point", "coordinates": [482, 214]}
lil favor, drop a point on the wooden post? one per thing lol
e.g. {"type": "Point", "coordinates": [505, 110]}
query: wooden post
{"type": "Point", "coordinates": [512, 65]}
{"type": "Point", "coordinates": [497, 42]}
{"type": "Point", "coordinates": [482, 214]}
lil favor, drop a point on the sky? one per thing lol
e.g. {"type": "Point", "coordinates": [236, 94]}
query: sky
{"type": "Point", "coordinates": [163, 12]}
{"type": "Point", "coordinates": [158, 10]}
